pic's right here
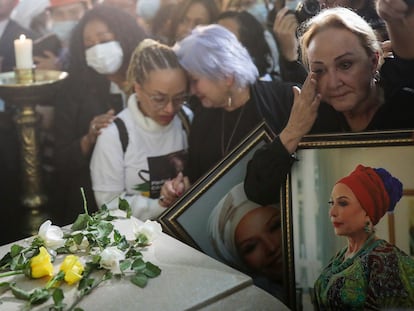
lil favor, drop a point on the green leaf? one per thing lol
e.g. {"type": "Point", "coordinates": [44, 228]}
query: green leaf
{"type": "Point", "coordinates": [104, 229]}
{"type": "Point", "coordinates": [39, 295]}
{"type": "Point", "coordinates": [15, 250]}
{"type": "Point", "coordinates": [81, 222]}
{"type": "Point", "coordinates": [123, 205]}
{"type": "Point", "coordinates": [78, 238]}
{"type": "Point", "coordinates": [85, 285]}
{"type": "Point", "coordinates": [124, 265]}
{"type": "Point", "coordinates": [117, 236]}
{"type": "Point", "coordinates": [19, 293]}
{"type": "Point", "coordinates": [140, 280]}
{"type": "Point", "coordinates": [37, 242]}
{"type": "Point", "coordinates": [5, 262]}
{"type": "Point", "coordinates": [142, 240]}
{"type": "Point", "coordinates": [138, 265]}
{"type": "Point", "coordinates": [4, 286]}
{"type": "Point", "coordinates": [152, 270]}
{"type": "Point", "coordinates": [58, 297]}
{"type": "Point", "coordinates": [123, 244]}
{"type": "Point", "coordinates": [133, 253]}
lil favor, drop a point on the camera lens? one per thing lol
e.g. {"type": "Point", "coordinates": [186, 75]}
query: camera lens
{"type": "Point", "coordinates": [311, 7]}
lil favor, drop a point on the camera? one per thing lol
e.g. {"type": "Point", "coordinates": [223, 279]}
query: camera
{"type": "Point", "coordinates": [303, 11]}
{"type": "Point", "coordinates": [307, 9]}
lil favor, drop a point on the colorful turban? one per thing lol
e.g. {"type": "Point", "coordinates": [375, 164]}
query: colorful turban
{"type": "Point", "coordinates": [376, 190]}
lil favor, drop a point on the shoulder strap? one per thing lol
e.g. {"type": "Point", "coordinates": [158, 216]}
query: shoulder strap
{"type": "Point", "coordinates": [123, 133]}
{"type": "Point", "coordinates": [185, 121]}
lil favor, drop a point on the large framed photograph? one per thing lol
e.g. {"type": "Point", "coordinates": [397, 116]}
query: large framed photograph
{"type": "Point", "coordinates": [322, 161]}
{"type": "Point", "coordinates": [215, 217]}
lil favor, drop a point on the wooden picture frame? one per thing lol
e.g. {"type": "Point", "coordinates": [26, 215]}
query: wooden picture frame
{"type": "Point", "coordinates": [323, 159]}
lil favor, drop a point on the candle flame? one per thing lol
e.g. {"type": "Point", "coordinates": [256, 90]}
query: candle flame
{"type": "Point", "coordinates": [22, 37]}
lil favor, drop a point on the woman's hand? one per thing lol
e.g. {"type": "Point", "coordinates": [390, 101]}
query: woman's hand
{"type": "Point", "coordinates": [392, 10]}
{"type": "Point", "coordinates": [387, 48]}
{"type": "Point", "coordinates": [95, 126]}
{"type": "Point", "coordinates": [303, 114]}
{"type": "Point", "coordinates": [98, 123]}
{"type": "Point", "coordinates": [173, 189]}
{"type": "Point", "coordinates": [49, 61]}
{"type": "Point", "coordinates": [284, 28]}
{"type": "Point", "coordinates": [399, 17]}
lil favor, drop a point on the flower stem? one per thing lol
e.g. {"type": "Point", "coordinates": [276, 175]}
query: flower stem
{"type": "Point", "coordinates": [85, 204]}
{"type": "Point", "coordinates": [57, 278]}
{"type": "Point", "coordinates": [9, 273]}
{"type": "Point", "coordinates": [82, 295]}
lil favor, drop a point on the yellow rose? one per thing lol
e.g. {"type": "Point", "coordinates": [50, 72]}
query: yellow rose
{"type": "Point", "coordinates": [73, 269]}
{"type": "Point", "coordinates": [41, 265]}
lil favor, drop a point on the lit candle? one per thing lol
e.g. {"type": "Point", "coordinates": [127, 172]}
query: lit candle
{"type": "Point", "coordinates": [23, 52]}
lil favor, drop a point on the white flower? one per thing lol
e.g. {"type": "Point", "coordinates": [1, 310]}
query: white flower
{"type": "Point", "coordinates": [110, 258]}
{"type": "Point", "coordinates": [51, 235]}
{"type": "Point", "coordinates": [151, 229]}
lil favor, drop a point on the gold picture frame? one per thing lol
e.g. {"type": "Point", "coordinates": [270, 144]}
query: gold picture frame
{"type": "Point", "coordinates": [323, 159]}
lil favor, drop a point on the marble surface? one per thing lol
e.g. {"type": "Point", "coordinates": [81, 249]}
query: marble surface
{"type": "Point", "coordinates": [189, 280]}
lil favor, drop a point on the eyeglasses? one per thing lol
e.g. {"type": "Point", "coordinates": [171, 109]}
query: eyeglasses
{"type": "Point", "coordinates": [160, 101]}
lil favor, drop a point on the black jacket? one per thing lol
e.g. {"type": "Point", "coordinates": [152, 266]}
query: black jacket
{"type": "Point", "coordinates": [267, 170]}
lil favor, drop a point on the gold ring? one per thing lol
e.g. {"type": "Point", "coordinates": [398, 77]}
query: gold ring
{"type": "Point", "coordinates": [94, 127]}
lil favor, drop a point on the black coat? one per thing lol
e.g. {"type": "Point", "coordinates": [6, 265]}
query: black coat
{"type": "Point", "coordinates": [75, 107]}
{"type": "Point", "coordinates": [267, 170]}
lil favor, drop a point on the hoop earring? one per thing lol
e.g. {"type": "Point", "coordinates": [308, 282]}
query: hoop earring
{"type": "Point", "coordinates": [367, 227]}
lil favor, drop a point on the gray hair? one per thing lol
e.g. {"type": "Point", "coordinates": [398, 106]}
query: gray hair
{"type": "Point", "coordinates": [215, 53]}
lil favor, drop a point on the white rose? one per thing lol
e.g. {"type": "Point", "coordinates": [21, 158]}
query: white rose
{"type": "Point", "coordinates": [110, 258]}
{"type": "Point", "coordinates": [151, 229]}
{"type": "Point", "coordinates": [51, 235]}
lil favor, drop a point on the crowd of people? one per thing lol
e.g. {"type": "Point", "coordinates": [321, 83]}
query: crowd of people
{"type": "Point", "coordinates": [159, 92]}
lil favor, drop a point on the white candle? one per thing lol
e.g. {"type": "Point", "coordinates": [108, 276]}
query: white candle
{"type": "Point", "coordinates": [23, 52]}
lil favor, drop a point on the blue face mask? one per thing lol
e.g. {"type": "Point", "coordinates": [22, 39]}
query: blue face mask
{"type": "Point", "coordinates": [259, 11]}
{"type": "Point", "coordinates": [63, 30]}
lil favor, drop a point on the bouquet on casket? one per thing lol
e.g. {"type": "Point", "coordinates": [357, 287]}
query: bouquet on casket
{"type": "Point", "coordinates": [93, 244]}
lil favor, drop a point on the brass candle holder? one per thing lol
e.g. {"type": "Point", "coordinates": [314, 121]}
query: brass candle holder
{"type": "Point", "coordinates": [25, 89]}
{"type": "Point", "coordinates": [24, 76]}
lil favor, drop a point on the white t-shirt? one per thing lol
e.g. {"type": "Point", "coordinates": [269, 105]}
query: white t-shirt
{"type": "Point", "coordinates": [139, 173]}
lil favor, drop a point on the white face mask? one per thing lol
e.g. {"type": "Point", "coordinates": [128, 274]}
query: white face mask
{"type": "Point", "coordinates": [105, 58]}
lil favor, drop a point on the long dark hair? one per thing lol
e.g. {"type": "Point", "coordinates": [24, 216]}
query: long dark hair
{"type": "Point", "coordinates": [181, 10]}
{"type": "Point", "coordinates": [251, 36]}
{"type": "Point", "coordinates": [121, 24]}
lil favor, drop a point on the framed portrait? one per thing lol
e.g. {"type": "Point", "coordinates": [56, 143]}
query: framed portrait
{"type": "Point", "coordinates": [322, 161]}
{"type": "Point", "coordinates": [215, 217]}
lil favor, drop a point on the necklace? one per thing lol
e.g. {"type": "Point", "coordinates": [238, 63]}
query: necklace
{"type": "Point", "coordinates": [225, 150]}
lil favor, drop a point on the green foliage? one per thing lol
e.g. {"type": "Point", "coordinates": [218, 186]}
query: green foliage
{"type": "Point", "coordinates": [98, 230]}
